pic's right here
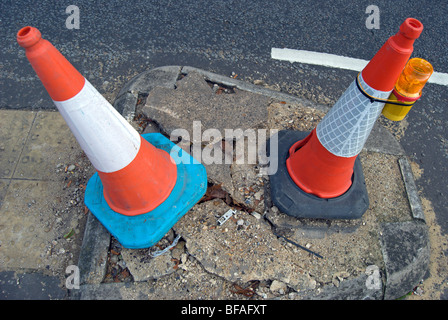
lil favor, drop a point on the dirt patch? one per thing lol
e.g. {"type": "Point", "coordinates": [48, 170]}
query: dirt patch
{"type": "Point", "coordinates": [437, 282]}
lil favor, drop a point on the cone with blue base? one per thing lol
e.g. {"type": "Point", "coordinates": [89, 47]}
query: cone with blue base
{"type": "Point", "coordinates": [143, 184]}
{"type": "Point", "coordinates": [148, 228]}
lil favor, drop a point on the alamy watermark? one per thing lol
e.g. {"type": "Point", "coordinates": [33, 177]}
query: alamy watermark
{"type": "Point", "coordinates": [373, 281]}
{"type": "Point", "coordinates": [373, 20]}
{"type": "Point", "coordinates": [238, 146]}
{"type": "Point", "coordinates": [73, 280]}
{"type": "Point", "coordinates": [73, 20]}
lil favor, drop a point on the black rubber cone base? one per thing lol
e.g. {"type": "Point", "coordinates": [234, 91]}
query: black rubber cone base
{"type": "Point", "coordinates": [295, 202]}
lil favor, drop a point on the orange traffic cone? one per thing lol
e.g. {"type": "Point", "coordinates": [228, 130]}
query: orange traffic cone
{"type": "Point", "coordinates": [322, 164]}
{"type": "Point", "coordinates": [136, 177]}
{"type": "Point", "coordinates": [115, 149]}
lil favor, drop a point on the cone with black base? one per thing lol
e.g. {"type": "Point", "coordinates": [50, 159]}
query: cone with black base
{"type": "Point", "coordinates": [320, 175]}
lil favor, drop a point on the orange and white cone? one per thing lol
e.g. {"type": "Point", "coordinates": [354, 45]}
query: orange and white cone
{"type": "Point", "coordinates": [144, 184]}
{"type": "Point", "coordinates": [322, 163]}
{"type": "Point", "coordinates": [136, 176]}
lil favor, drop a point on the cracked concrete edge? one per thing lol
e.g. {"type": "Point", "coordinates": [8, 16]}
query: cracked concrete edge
{"type": "Point", "coordinates": [92, 261]}
{"type": "Point", "coordinates": [93, 256]}
{"type": "Point", "coordinates": [411, 189]}
{"type": "Point", "coordinates": [167, 76]}
{"type": "Point", "coordinates": [405, 245]}
{"type": "Point", "coordinates": [406, 253]}
{"type": "Point", "coordinates": [245, 86]}
{"type": "Point", "coordinates": [351, 289]}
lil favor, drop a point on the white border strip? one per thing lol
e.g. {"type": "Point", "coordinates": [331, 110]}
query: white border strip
{"type": "Point", "coordinates": [107, 139]}
{"type": "Point", "coordinates": [335, 61]}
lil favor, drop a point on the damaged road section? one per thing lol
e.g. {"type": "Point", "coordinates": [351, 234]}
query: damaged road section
{"type": "Point", "coordinates": [258, 252]}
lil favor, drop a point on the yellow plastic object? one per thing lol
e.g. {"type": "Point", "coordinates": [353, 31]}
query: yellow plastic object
{"type": "Point", "coordinates": [396, 112]}
{"type": "Point", "coordinates": [408, 88]}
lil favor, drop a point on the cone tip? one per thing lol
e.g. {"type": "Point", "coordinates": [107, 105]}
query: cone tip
{"type": "Point", "coordinates": [411, 28]}
{"type": "Point", "coordinates": [28, 36]}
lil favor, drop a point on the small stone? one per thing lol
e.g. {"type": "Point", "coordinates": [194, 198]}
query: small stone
{"type": "Point", "coordinates": [335, 281]}
{"type": "Point", "coordinates": [71, 167]}
{"type": "Point", "coordinates": [122, 264]}
{"type": "Point", "coordinates": [313, 284]}
{"type": "Point", "coordinates": [258, 195]}
{"type": "Point", "coordinates": [113, 258]}
{"type": "Point", "coordinates": [278, 286]}
{"type": "Point", "coordinates": [256, 215]}
{"type": "Point", "coordinates": [419, 291]}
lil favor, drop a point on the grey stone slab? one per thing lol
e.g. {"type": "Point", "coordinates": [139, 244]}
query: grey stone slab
{"type": "Point", "coordinates": [105, 291]}
{"type": "Point", "coordinates": [146, 81]}
{"type": "Point", "coordinates": [30, 286]}
{"type": "Point", "coordinates": [14, 129]}
{"type": "Point", "coordinates": [50, 143]}
{"type": "Point", "coordinates": [406, 252]}
{"type": "Point", "coordinates": [93, 258]}
{"type": "Point", "coordinates": [411, 189]}
{"type": "Point", "coordinates": [33, 221]}
{"type": "Point", "coordinates": [382, 141]}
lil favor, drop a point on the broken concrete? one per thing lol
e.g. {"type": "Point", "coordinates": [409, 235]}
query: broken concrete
{"type": "Point", "coordinates": [240, 252]}
{"type": "Point", "coordinates": [406, 256]}
{"type": "Point", "coordinates": [261, 253]}
{"type": "Point", "coordinates": [177, 109]}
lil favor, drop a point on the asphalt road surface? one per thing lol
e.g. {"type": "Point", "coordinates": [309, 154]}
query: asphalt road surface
{"type": "Point", "coordinates": [119, 39]}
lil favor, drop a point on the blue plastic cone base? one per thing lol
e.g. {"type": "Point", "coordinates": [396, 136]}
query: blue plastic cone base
{"type": "Point", "coordinates": [145, 230]}
{"type": "Point", "coordinates": [293, 201]}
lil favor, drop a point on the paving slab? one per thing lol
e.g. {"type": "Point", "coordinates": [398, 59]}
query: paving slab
{"type": "Point", "coordinates": [404, 264]}
{"type": "Point", "coordinates": [14, 130]}
{"type": "Point", "coordinates": [261, 253]}
{"type": "Point", "coordinates": [30, 286]}
{"type": "Point", "coordinates": [49, 143]}
{"type": "Point", "coordinates": [42, 216]}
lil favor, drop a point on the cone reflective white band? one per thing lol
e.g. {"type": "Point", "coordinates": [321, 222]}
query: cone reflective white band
{"type": "Point", "coordinates": [345, 128]}
{"type": "Point", "coordinates": [111, 143]}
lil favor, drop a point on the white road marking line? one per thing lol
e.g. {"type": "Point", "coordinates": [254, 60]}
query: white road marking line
{"type": "Point", "coordinates": [335, 61]}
